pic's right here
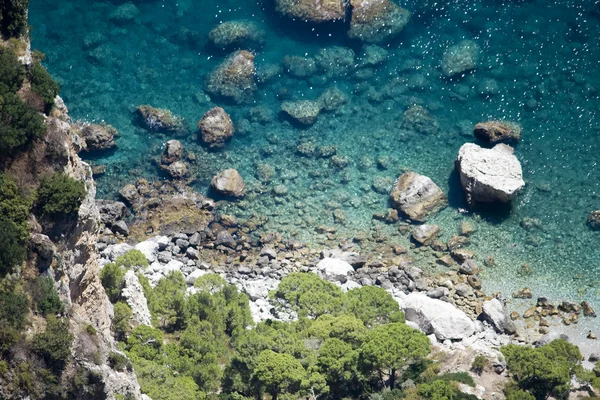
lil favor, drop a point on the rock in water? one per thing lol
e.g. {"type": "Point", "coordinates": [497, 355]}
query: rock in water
{"type": "Point", "coordinates": [594, 219]}
{"type": "Point", "coordinates": [437, 317]}
{"type": "Point", "coordinates": [498, 131]}
{"type": "Point", "coordinates": [303, 111]}
{"type": "Point", "coordinates": [313, 10]}
{"type": "Point", "coordinates": [375, 21]}
{"type": "Point", "coordinates": [460, 58]}
{"type": "Point", "coordinates": [234, 33]}
{"type": "Point", "coordinates": [425, 234]}
{"type": "Point", "coordinates": [417, 196]}
{"type": "Point", "coordinates": [99, 137]}
{"type": "Point", "coordinates": [234, 78]}
{"type": "Point", "coordinates": [489, 175]}
{"type": "Point", "coordinates": [172, 153]}
{"type": "Point", "coordinates": [497, 314]}
{"type": "Point", "coordinates": [159, 119]}
{"type": "Point", "coordinates": [216, 127]}
{"type": "Point", "coordinates": [229, 183]}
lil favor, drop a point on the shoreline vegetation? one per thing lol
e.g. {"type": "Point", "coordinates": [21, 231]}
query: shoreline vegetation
{"type": "Point", "coordinates": [165, 296]}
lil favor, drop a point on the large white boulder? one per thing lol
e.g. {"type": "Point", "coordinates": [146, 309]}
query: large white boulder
{"type": "Point", "coordinates": [489, 175]}
{"type": "Point", "coordinates": [497, 314]}
{"type": "Point", "coordinates": [437, 317]}
{"type": "Point", "coordinates": [133, 293]}
{"type": "Point", "coordinates": [152, 246]}
{"type": "Point", "coordinates": [333, 268]}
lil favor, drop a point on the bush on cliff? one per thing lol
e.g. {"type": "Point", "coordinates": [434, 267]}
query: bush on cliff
{"type": "Point", "coordinates": [43, 85]}
{"type": "Point", "coordinates": [13, 17]}
{"type": "Point", "coordinates": [111, 277]}
{"type": "Point", "coordinates": [60, 194]}
{"type": "Point", "coordinates": [19, 123]}
{"type": "Point", "coordinates": [54, 344]}
{"type": "Point", "coordinates": [14, 212]}
{"type": "Point", "coordinates": [46, 296]}
{"type": "Point", "coordinates": [12, 71]}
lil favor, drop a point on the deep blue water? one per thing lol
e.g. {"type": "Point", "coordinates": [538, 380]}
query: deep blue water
{"type": "Point", "coordinates": [540, 59]}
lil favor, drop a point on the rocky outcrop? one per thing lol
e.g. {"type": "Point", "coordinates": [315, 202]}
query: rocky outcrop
{"type": "Point", "coordinates": [417, 196]}
{"type": "Point", "coordinates": [173, 151]}
{"type": "Point", "coordinates": [99, 137]}
{"type": "Point", "coordinates": [216, 127]}
{"type": "Point", "coordinates": [498, 131]}
{"type": "Point", "coordinates": [375, 21]}
{"type": "Point", "coordinates": [425, 234]}
{"type": "Point", "coordinates": [133, 294]}
{"type": "Point", "coordinates": [437, 317]}
{"type": "Point", "coordinates": [460, 58]}
{"type": "Point", "coordinates": [313, 10]}
{"type": "Point", "coordinates": [236, 33]}
{"type": "Point", "coordinates": [489, 175]}
{"type": "Point", "coordinates": [496, 313]}
{"type": "Point", "coordinates": [334, 269]}
{"type": "Point", "coordinates": [160, 120]}
{"type": "Point", "coordinates": [302, 111]}
{"type": "Point", "coordinates": [235, 78]}
{"type": "Point", "coordinates": [229, 183]}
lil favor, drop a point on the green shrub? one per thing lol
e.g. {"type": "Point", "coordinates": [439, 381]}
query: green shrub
{"type": "Point", "coordinates": [12, 245]}
{"type": "Point", "coordinates": [46, 297]}
{"type": "Point", "coordinates": [19, 123]}
{"type": "Point", "coordinates": [91, 330]}
{"type": "Point", "coordinates": [461, 377]}
{"type": "Point", "coordinates": [60, 194]}
{"type": "Point", "coordinates": [13, 205]}
{"type": "Point", "coordinates": [112, 277]}
{"type": "Point", "coordinates": [12, 71]}
{"type": "Point", "coordinates": [121, 325]}
{"type": "Point", "coordinates": [118, 361]}
{"type": "Point", "coordinates": [43, 85]}
{"type": "Point", "coordinates": [133, 258]}
{"type": "Point", "coordinates": [54, 344]}
{"type": "Point", "coordinates": [479, 364]}
{"type": "Point", "coordinates": [14, 212]}
{"type": "Point", "coordinates": [372, 305]}
{"type": "Point", "coordinates": [170, 294]}
{"type": "Point", "coordinates": [13, 17]}
{"type": "Point", "coordinates": [437, 390]}
{"type": "Point", "coordinates": [145, 342]}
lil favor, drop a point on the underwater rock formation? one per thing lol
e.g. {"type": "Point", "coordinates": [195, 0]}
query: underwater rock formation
{"type": "Point", "coordinates": [177, 170]}
{"type": "Point", "coordinates": [498, 131]}
{"type": "Point", "coordinates": [234, 78]}
{"type": "Point", "coordinates": [216, 127]}
{"type": "Point", "coordinates": [299, 67]}
{"type": "Point", "coordinates": [594, 219]}
{"type": "Point", "coordinates": [237, 33]}
{"type": "Point", "coordinates": [335, 60]}
{"type": "Point", "coordinates": [417, 196]}
{"type": "Point", "coordinates": [489, 175]}
{"type": "Point", "coordinates": [173, 152]}
{"type": "Point", "coordinates": [159, 119]}
{"type": "Point", "coordinates": [99, 137]}
{"type": "Point", "coordinates": [418, 118]}
{"type": "Point", "coordinates": [460, 58]}
{"type": "Point", "coordinates": [313, 10]}
{"type": "Point", "coordinates": [303, 111]}
{"type": "Point", "coordinates": [375, 21]}
{"type": "Point", "coordinates": [332, 99]}
{"type": "Point", "coordinates": [229, 183]}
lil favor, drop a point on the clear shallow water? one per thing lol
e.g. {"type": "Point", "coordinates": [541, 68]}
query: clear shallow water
{"type": "Point", "coordinates": [543, 58]}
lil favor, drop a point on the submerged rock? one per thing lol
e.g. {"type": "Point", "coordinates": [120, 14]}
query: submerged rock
{"type": "Point", "coordinates": [498, 131]}
{"type": "Point", "coordinates": [234, 78]}
{"type": "Point", "coordinates": [99, 137]}
{"type": "Point", "coordinates": [594, 219]}
{"type": "Point", "coordinates": [419, 119]}
{"type": "Point", "coordinates": [159, 119]}
{"type": "Point", "coordinates": [460, 58]}
{"type": "Point", "coordinates": [375, 21]}
{"type": "Point", "coordinates": [303, 111]}
{"type": "Point", "coordinates": [216, 127]}
{"type": "Point", "coordinates": [335, 60]}
{"type": "Point", "coordinates": [437, 317]}
{"type": "Point", "coordinates": [425, 234]}
{"type": "Point", "coordinates": [300, 67]}
{"type": "Point", "coordinates": [177, 170]}
{"type": "Point", "coordinates": [229, 183]}
{"type": "Point", "coordinates": [417, 196]}
{"type": "Point", "coordinates": [313, 10]}
{"type": "Point", "coordinates": [235, 33]}
{"type": "Point", "coordinates": [173, 152]}
{"type": "Point", "coordinates": [332, 99]}
{"type": "Point", "coordinates": [489, 175]}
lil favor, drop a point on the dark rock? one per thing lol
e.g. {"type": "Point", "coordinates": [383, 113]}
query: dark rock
{"type": "Point", "coordinates": [588, 311]}
{"type": "Point", "coordinates": [42, 245]}
{"type": "Point", "coordinates": [498, 131]}
{"type": "Point", "coordinates": [216, 127]}
{"type": "Point", "coordinates": [469, 267]}
{"type": "Point", "coordinates": [99, 137]}
{"type": "Point", "coordinates": [192, 253]}
{"type": "Point", "coordinates": [121, 227]}
{"type": "Point", "coordinates": [224, 238]}
{"type": "Point", "coordinates": [111, 211]}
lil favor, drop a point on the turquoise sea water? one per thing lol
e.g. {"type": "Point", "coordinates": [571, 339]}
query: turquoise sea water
{"type": "Point", "coordinates": [540, 66]}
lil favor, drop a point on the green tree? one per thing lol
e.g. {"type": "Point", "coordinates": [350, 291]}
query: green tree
{"type": "Point", "coordinates": [14, 212]}
{"type": "Point", "coordinates": [13, 17]}
{"type": "Point", "coordinates": [160, 382]}
{"type": "Point", "coordinates": [344, 327]}
{"type": "Point", "coordinates": [389, 348]}
{"type": "Point", "coordinates": [12, 245]}
{"type": "Point", "coordinates": [544, 371]}
{"type": "Point", "coordinates": [19, 123]}
{"type": "Point", "coordinates": [46, 296]}
{"type": "Point", "coordinates": [338, 362]}
{"type": "Point", "coordinates": [54, 344]}
{"type": "Point", "coordinates": [145, 342]}
{"type": "Point", "coordinates": [120, 323]}
{"type": "Point", "coordinates": [133, 258]}
{"type": "Point", "coordinates": [438, 390]}
{"type": "Point", "coordinates": [373, 306]}
{"type": "Point", "coordinates": [279, 373]}
{"type": "Point", "coordinates": [170, 301]}
{"type": "Point", "coordinates": [309, 295]}
{"type": "Point", "coordinates": [112, 277]}
{"type": "Point", "coordinates": [44, 85]}
{"type": "Point", "coordinates": [60, 194]}
{"type": "Point", "coordinates": [12, 71]}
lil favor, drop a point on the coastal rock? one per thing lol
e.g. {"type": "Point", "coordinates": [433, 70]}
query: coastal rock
{"type": "Point", "coordinates": [437, 317]}
{"type": "Point", "coordinates": [417, 196]}
{"type": "Point", "coordinates": [332, 99]}
{"type": "Point", "coordinates": [129, 193]}
{"type": "Point", "coordinates": [460, 58]}
{"type": "Point", "coordinates": [425, 234]}
{"type": "Point", "coordinates": [236, 33]}
{"type": "Point", "coordinates": [42, 245]}
{"type": "Point", "coordinates": [332, 268]}
{"type": "Point", "coordinates": [375, 21]}
{"type": "Point", "coordinates": [496, 313]}
{"type": "Point", "coordinates": [177, 170]}
{"type": "Point", "coordinates": [99, 137]}
{"type": "Point", "coordinates": [229, 183]}
{"type": "Point", "coordinates": [587, 309]}
{"type": "Point", "coordinates": [111, 211]}
{"type": "Point", "coordinates": [352, 258]}
{"type": "Point", "coordinates": [489, 175]}
{"type": "Point", "coordinates": [173, 152]}
{"type": "Point", "coordinates": [419, 119]}
{"type": "Point", "coordinates": [234, 78]}
{"type": "Point", "coordinates": [335, 61]}
{"type": "Point", "coordinates": [299, 67]}
{"type": "Point", "coordinates": [313, 10]}
{"type": "Point", "coordinates": [498, 131]}
{"type": "Point", "coordinates": [594, 219]}
{"type": "Point", "coordinates": [216, 127]}
{"type": "Point", "coordinates": [303, 111]}
{"type": "Point", "coordinates": [159, 119]}
{"type": "Point", "coordinates": [133, 293]}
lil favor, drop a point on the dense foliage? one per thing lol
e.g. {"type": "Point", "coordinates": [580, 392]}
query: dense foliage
{"type": "Point", "coordinates": [12, 71]}
{"type": "Point", "coordinates": [46, 296]}
{"type": "Point", "coordinates": [43, 85]}
{"type": "Point", "coordinates": [13, 17]}
{"type": "Point", "coordinates": [60, 194]}
{"type": "Point", "coordinates": [54, 344]}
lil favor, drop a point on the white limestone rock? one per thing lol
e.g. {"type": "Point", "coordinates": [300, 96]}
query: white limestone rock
{"type": "Point", "coordinates": [133, 293]}
{"type": "Point", "coordinates": [496, 313]}
{"type": "Point", "coordinates": [334, 269]}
